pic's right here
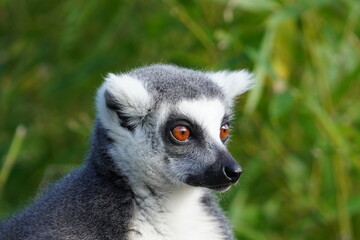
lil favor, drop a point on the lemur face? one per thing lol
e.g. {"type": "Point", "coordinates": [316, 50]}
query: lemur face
{"type": "Point", "coordinates": [170, 124]}
{"type": "Point", "coordinates": [194, 136]}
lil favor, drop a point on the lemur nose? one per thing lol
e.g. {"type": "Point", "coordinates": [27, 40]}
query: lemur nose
{"type": "Point", "coordinates": [232, 172]}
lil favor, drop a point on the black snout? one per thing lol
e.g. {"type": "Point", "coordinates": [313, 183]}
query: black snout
{"type": "Point", "coordinates": [232, 171]}
{"type": "Point", "coordinates": [219, 176]}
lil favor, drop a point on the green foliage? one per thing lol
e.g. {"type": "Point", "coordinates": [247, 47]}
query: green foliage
{"type": "Point", "coordinates": [297, 134]}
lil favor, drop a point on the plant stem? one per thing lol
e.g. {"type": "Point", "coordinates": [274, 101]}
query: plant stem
{"type": "Point", "coordinates": [11, 156]}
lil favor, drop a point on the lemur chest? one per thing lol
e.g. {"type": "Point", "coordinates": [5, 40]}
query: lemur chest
{"type": "Point", "coordinates": [181, 221]}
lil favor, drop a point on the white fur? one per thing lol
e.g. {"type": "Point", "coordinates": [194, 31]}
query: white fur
{"type": "Point", "coordinates": [176, 217]}
{"type": "Point", "coordinates": [208, 113]}
{"type": "Point", "coordinates": [128, 91]}
{"type": "Point", "coordinates": [135, 162]}
{"type": "Point", "coordinates": [233, 83]}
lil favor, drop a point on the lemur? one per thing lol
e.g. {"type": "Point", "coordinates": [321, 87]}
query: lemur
{"type": "Point", "coordinates": [158, 149]}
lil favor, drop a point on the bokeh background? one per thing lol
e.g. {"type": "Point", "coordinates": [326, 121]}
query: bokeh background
{"type": "Point", "coordinates": [297, 134]}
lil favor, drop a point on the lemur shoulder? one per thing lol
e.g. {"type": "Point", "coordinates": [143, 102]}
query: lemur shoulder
{"type": "Point", "coordinates": [158, 151]}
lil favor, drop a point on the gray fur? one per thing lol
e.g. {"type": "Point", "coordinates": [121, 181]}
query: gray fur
{"type": "Point", "coordinates": [171, 83]}
{"type": "Point", "coordinates": [92, 202]}
{"type": "Point", "coordinates": [134, 168]}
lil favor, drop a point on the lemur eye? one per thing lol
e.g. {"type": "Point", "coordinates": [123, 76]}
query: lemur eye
{"type": "Point", "coordinates": [224, 131]}
{"type": "Point", "coordinates": [181, 133]}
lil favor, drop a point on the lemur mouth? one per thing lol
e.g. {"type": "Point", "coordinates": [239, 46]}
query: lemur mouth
{"type": "Point", "coordinates": [220, 188]}
{"type": "Point", "coordinates": [217, 187]}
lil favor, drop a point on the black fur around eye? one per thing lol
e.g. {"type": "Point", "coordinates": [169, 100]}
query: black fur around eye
{"type": "Point", "coordinates": [174, 121]}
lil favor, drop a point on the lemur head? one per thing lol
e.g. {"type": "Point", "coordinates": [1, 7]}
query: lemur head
{"type": "Point", "coordinates": [169, 125]}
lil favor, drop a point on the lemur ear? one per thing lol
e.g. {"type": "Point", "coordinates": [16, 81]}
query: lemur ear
{"type": "Point", "coordinates": [233, 83]}
{"type": "Point", "coordinates": [122, 100]}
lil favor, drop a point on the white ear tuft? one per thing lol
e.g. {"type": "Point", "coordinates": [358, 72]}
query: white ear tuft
{"type": "Point", "coordinates": [122, 100]}
{"type": "Point", "coordinates": [233, 83]}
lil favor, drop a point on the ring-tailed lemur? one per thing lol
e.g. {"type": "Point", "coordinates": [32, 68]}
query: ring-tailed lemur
{"type": "Point", "coordinates": [158, 146]}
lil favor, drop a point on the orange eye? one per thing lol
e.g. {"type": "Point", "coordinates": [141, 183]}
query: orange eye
{"type": "Point", "coordinates": [181, 133]}
{"type": "Point", "coordinates": [224, 131]}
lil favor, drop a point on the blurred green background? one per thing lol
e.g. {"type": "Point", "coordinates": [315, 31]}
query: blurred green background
{"type": "Point", "coordinates": [297, 134]}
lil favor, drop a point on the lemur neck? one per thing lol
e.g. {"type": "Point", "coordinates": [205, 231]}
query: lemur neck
{"type": "Point", "coordinates": [144, 191]}
{"type": "Point", "coordinates": [161, 214]}
{"type": "Point", "coordinates": [99, 157]}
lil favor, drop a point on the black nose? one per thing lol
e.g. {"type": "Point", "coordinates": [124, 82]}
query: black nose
{"type": "Point", "coordinates": [232, 171]}
{"type": "Point", "coordinates": [218, 176]}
